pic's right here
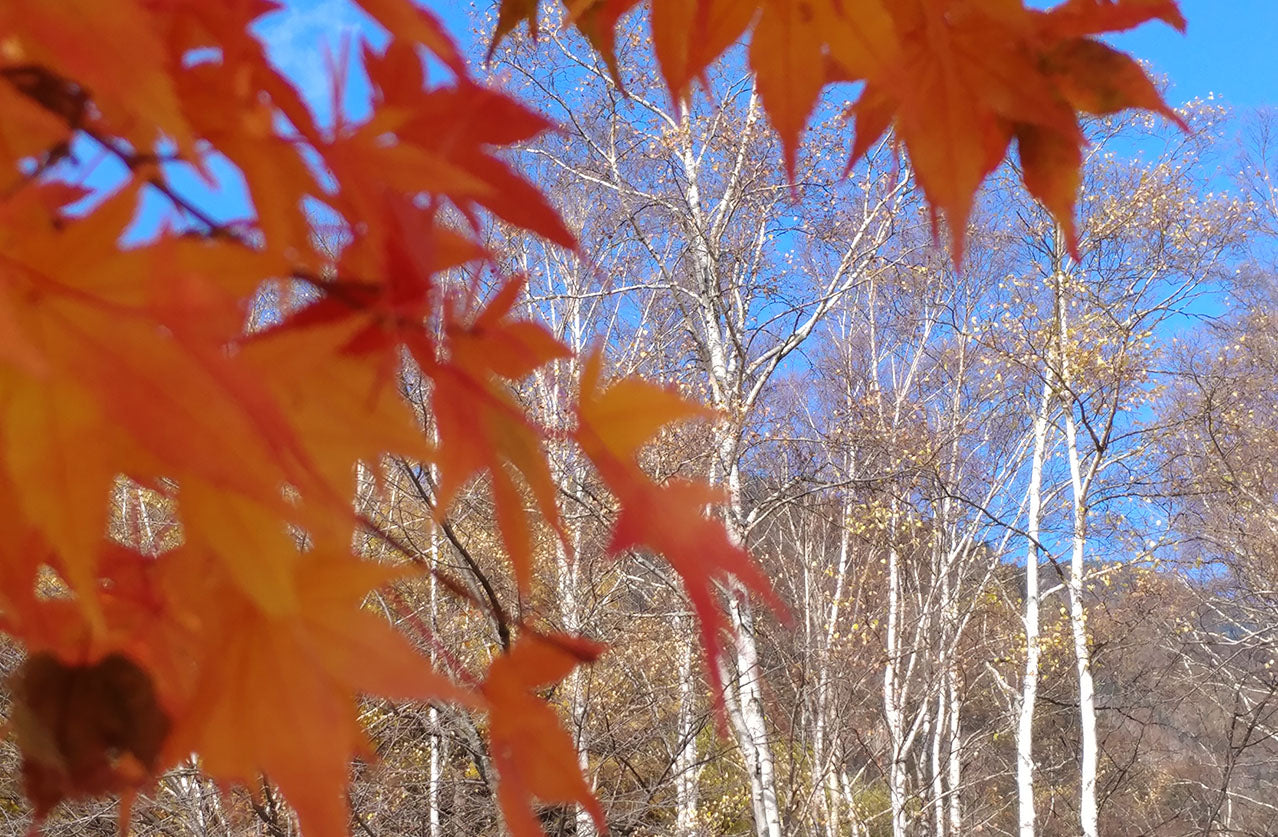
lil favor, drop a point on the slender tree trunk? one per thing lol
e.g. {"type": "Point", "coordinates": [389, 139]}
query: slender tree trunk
{"type": "Point", "coordinates": [827, 809]}
{"type": "Point", "coordinates": [940, 730]}
{"type": "Point", "coordinates": [956, 751]}
{"type": "Point", "coordinates": [939, 723]}
{"type": "Point", "coordinates": [435, 776]}
{"type": "Point", "coordinates": [752, 729]}
{"type": "Point", "coordinates": [1033, 647]}
{"type": "Point", "coordinates": [752, 732]}
{"type": "Point", "coordinates": [724, 375]}
{"type": "Point", "coordinates": [568, 551]}
{"type": "Point", "coordinates": [570, 615]}
{"type": "Point", "coordinates": [686, 771]}
{"type": "Point", "coordinates": [854, 813]}
{"type": "Point", "coordinates": [824, 773]}
{"type": "Point", "coordinates": [1078, 629]}
{"type": "Point", "coordinates": [1080, 485]}
{"type": "Point", "coordinates": [831, 802]}
{"type": "Point", "coordinates": [893, 712]}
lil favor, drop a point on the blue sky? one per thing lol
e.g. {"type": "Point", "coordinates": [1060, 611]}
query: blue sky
{"type": "Point", "coordinates": [1228, 50]}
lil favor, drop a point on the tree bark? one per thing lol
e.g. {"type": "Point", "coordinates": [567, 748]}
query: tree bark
{"type": "Point", "coordinates": [1033, 646]}
{"type": "Point", "coordinates": [1087, 811]}
{"type": "Point", "coordinates": [686, 771]}
{"type": "Point", "coordinates": [1080, 484]}
{"type": "Point", "coordinates": [893, 712]}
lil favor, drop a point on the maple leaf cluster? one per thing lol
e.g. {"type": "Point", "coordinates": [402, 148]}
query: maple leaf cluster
{"type": "Point", "coordinates": [957, 81]}
{"type": "Point", "coordinates": [125, 359]}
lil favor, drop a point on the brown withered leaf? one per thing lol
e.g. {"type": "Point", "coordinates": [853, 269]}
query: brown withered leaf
{"type": "Point", "coordinates": [85, 729]}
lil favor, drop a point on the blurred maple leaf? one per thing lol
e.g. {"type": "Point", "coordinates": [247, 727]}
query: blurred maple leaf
{"type": "Point", "coordinates": [534, 755]}
{"type": "Point", "coordinates": [268, 683]}
{"type": "Point", "coordinates": [87, 728]}
{"type": "Point", "coordinates": [481, 428]}
{"type": "Point", "coordinates": [672, 519]}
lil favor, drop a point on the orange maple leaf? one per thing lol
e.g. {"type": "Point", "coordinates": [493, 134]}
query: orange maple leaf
{"type": "Point", "coordinates": [785, 54]}
{"type": "Point", "coordinates": [615, 421]}
{"type": "Point", "coordinates": [268, 684]}
{"type": "Point", "coordinates": [328, 390]}
{"type": "Point", "coordinates": [462, 126]}
{"type": "Point", "coordinates": [688, 35]}
{"type": "Point", "coordinates": [414, 25]}
{"type": "Point", "coordinates": [534, 755]}
{"type": "Point", "coordinates": [118, 46]}
{"type": "Point", "coordinates": [957, 80]}
{"type": "Point", "coordinates": [971, 75]}
{"type": "Point", "coordinates": [133, 370]}
{"type": "Point", "coordinates": [674, 519]}
{"type": "Point", "coordinates": [480, 426]}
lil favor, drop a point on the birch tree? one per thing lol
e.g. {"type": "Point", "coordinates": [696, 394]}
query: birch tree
{"type": "Point", "coordinates": [1149, 246]}
{"type": "Point", "coordinates": [751, 275]}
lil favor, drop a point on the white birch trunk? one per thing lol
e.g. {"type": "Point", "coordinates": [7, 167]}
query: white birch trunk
{"type": "Point", "coordinates": [750, 724]}
{"type": "Point", "coordinates": [1033, 647]}
{"type": "Point", "coordinates": [724, 377]}
{"type": "Point", "coordinates": [956, 753]}
{"type": "Point", "coordinates": [824, 775]}
{"type": "Point", "coordinates": [435, 775]}
{"type": "Point", "coordinates": [939, 722]}
{"type": "Point", "coordinates": [893, 712]}
{"type": "Point", "coordinates": [1078, 629]}
{"type": "Point", "coordinates": [1080, 485]}
{"type": "Point", "coordinates": [577, 706]}
{"type": "Point", "coordinates": [685, 767]}
{"type": "Point", "coordinates": [940, 730]}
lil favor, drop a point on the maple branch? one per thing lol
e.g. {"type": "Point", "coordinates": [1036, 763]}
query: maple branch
{"type": "Point", "coordinates": [359, 818]}
{"type": "Point", "coordinates": [502, 623]}
{"type": "Point", "coordinates": [403, 612]}
{"type": "Point", "coordinates": [270, 812]}
{"type": "Point", "coordinates": [134, 161]}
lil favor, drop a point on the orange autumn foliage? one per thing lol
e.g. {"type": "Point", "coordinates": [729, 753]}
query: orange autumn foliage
{"type": "Point", "coordinates": [127, 359]}
{"type": "Point", "coordinates": [956, 80]}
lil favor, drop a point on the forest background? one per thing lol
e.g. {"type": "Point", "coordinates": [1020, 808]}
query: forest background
{"type": "Point", "coordinates": [1021, 513]}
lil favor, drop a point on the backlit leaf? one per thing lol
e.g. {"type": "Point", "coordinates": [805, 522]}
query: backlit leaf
{"type": "Point", "coordinates": [534, 756]}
